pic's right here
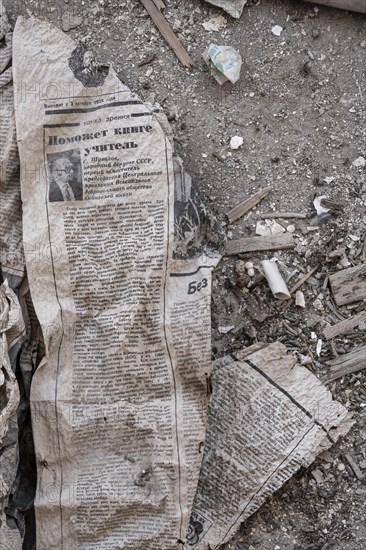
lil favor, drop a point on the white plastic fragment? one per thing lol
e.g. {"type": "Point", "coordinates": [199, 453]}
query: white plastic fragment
{"type": "Point", "coordinates": [275, 280]}
{"type": "Point", "coordinates": [319, 347]}
{"type": "Point", "coordinates": [224, 329]}
{"type": "Point", "coordinates": [236, 142]}
{"type": "Point", "coordinates": [277, 30]}
{"type": "Point", "coordinates": [318, 207]}
{"type": "Point", "coordinates": [300, 299]}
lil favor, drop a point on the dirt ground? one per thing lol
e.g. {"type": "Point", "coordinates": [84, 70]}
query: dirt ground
{"type": "Point", "coordinates": [300, 108]}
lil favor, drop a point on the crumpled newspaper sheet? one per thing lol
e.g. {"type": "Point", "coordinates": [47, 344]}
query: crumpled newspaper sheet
{"type": "Point", "coordinates": [11, 333]}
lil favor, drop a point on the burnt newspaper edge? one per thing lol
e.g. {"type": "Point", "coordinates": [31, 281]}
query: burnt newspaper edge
{"type": "Point", "coordinates": [122, 290]}
{"type": "Point", "coordinates": [268, 416]}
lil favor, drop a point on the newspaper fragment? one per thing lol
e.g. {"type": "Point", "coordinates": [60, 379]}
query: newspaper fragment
{"type": "Point", "coordinates": [11, 333]}
{"type": "Point", "coordinates": [223, 62]}
{"type": "Point", "coordinates": [11, 250]}
{"type": "Point", "coordinates": [268, 416]}
{"type": "Point", "coordinates": [119, 248]}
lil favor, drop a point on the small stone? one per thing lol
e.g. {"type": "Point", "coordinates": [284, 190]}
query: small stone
{"type": "Point", "coordinates": [313, 320]}
{"type": "Point", "coordinates": [360, 162]}
{"type": "Point", "coordinates": [300, 299]}
{"type": "Point", "coordinates": [277, 30]}
{"type": "Point", "coordinates": [249, 265]}
{"type": "Point", "coordinates": [275, 227]}
{"type": "Point", "coordinates": [341, 467]}
{"type": "Point", "coordinates": [236, 142]}
{"type": "Point", "coordinates": [304, 359]}
{"type": "Point", "coordinates": [318, 305]}
{"type": "Point", "coordinates": [240, 268]}
{"type": "Point", "coordinates": [251, 272]}
{"type": "Point", "coordinates": [291, 228]}
{"type": "Point", "coordinates": [262, 229]}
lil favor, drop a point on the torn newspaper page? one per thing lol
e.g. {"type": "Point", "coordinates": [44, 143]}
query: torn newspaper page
{"type": "Point", "coordinates": [268, 416]}
{"type": "Point", "coordinates": [119, 251]}
{"type": "Point", "coordinates": [11, 334]}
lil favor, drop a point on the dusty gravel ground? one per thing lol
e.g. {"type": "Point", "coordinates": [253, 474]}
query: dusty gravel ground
{"type": "Point", "coordinates": [300, 107]}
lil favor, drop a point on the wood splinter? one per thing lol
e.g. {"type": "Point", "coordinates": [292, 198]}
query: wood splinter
{"type": "Point", "coordinates": [247, 205]}
{"type": "Point", "coordinates": [259, 244]}
{"type": "Point", "coordinates": [348, 363]}
{"type": "Point", "coordinates": [344, 326]}
{"type": "Point", "coordinates": [162, 24]}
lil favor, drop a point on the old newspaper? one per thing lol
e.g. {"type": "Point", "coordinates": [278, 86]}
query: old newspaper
{"type": "Point", "coordinates": [268, 416]}
{"type": "Point", "coordinates": [118, 254]}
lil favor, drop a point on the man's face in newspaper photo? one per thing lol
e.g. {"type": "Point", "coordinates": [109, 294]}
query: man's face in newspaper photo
{"type": "Point", "coordinates": [62, 171]}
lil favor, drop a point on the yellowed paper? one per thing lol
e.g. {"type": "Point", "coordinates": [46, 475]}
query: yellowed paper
{"type": "Point", "coordinates": [119, 270]}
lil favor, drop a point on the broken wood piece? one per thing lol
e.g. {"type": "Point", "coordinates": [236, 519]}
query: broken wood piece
{"type": "Point", "coordinates": [356, 469]}
{"type": "Point", "coordinates": [167, 32]}
{"type": "Point", "coordinates": [247, 205]}
{"type": "Point", "coordinates": [259, 244]}
{"type": "Point", "coordinates": [284, 215]}
{"type": "Point", "coordinates": [303, 280]}
{"type": "Point", "coordinates": [349, 285]}
{"type": "Point", "coordinates": [348, 363]}
{"type": "Point", "coordinates": [159, 4]}
{"type": "Point", "coordinates": [344, 326]}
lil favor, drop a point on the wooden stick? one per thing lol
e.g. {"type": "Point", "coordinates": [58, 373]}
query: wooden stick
{"type": "Point", "coordinates": [356, 470]}
{"type": "Point", "coordinates": [353, 361]}
{"type": "Point", "coordinates": [344, 326]}
{"type": "Point", "coordinates": [247, 205]}
{"type": "Point", "coordinates": [284, 215]}
{"type": "Point", "coordinates": [167, 32]}
{"type": "Point", "coordinates": [303, 280]}
{"type": "Point", "coordinates": [259, 244]}
{"type": "Point", "coordinates": [349, 285]}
